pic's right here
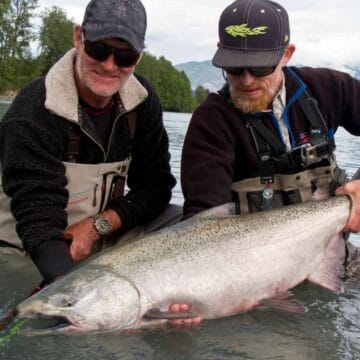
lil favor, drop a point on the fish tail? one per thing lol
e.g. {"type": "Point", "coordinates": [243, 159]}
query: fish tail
{"type": "Point", "coordinates": [331, 270]}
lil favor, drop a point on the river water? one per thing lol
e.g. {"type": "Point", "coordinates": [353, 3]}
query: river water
{"type": "Point", "coordinates": [329, 330]}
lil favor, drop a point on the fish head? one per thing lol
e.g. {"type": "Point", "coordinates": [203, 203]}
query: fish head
{"type": "Point", "coordinates": [87, 299]}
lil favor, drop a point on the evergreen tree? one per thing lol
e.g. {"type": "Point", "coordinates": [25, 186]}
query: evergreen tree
{"type": "Point", "coordinates": [18, 67]}
{"type": "Point", "coordinates": [16, 33]}
{"type": "Point", "coordinates": [172, 86]}
{"type": "Point", "coordinates": [19, 29]}
{"type": "Point", "coordinates": [56, 36]}
{"type": "Point", "coordinates": [201, 93]}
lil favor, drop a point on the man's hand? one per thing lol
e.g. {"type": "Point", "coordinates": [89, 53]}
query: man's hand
{"type": "Point", "coordinates": [83, 236]}
{"type": "Point", "coordinates": [352, 189]}
{"type": "Point", "coordinates": [183, 308]}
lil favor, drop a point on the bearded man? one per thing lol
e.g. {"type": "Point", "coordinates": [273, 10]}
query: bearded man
{"type": "Point", "coordinates": [266, 139]}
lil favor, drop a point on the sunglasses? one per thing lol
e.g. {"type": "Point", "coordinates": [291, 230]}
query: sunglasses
{"type": "Point", "coordinates": [254, 71]}
{"type": "Point", "coordinates": [100, 51]}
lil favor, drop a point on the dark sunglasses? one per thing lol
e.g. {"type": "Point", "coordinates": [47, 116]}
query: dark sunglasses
{"type": "Point", "coordinates": [254, 71]}
{"type": "Point", "coordinates": [100, 51]}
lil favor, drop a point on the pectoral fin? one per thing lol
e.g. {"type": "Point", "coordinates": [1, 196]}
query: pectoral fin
{"type": "Point", "coordinates": [156, 313]}
{"type": "Point", "coordinates": [282, 301]}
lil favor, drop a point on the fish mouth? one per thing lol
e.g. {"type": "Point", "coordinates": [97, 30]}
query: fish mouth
{"type": "Point", "coordinates": [49, 324]}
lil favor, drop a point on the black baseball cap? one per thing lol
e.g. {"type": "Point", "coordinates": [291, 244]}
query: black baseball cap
{"type": "Point", "coordinates": [125, 19]}
{"type": "Point", "coordinates": [252, 33]}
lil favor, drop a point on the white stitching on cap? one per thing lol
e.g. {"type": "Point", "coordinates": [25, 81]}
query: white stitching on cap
{"type": "Point", "coordinates": [235, 10]}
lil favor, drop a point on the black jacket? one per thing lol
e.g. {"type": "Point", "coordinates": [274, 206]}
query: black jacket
{"type": "Point", "coordinates": [33, 144]}
{"type": "Point", "coordinates": [219, 149]}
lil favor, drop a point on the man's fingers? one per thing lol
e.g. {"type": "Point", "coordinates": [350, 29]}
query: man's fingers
{"type": "Point", "coordinates": [179, 307]}
{"type": "Point", "coordinates": [182, 308]}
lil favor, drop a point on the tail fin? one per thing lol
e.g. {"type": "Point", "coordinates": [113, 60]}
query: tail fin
{"type": "Point", "coordinates": [331, 271]}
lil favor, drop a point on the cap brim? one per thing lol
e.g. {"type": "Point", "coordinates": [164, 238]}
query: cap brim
{"type": "Point", "coordinates": [226, 58]}
{"type": "Point", "coordinates": [93, 33]}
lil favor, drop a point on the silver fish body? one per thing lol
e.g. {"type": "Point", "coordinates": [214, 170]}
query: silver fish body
{"type": "Point", "coordinates": [219, 264]}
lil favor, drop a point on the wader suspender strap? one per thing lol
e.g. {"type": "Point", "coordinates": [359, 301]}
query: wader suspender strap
{"type": "Point", "coordinates": [118, 187]}
{"type": "Point", "coordinates": [266, 135]}
{"type": "Point", "coordinates": [318, 128]}
{"type": "Point", "coordinates": [283, 161]}
{"type": "Point", "coordinates": [264, 139]}
{"type": "Point", "coordinates": [73, 148]}
{"type": "Point", "coordinates": [132, 120]}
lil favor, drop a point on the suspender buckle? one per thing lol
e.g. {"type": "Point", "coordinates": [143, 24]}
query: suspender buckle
{"type": "Point", "coordinates": [267, 179]}
{"type": "Point", "coordinates": [267, 197]}
{"type": "Point", "coordinates": [311, 154]}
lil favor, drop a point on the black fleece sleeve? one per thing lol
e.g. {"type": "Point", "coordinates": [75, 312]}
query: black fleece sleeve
{"type": "Point", "coordinates": [150, 180]}
{"type": "Point", "coordinates": [207, 160]}
{"type": "Point", "coordinates": [33, 176]}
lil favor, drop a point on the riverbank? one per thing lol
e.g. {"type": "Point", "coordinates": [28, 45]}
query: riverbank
{"type": "Point", "coordinates": [8, 95]}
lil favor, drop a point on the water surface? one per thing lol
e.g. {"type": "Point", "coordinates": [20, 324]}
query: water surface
{"type": "Point", "coordinates": [330, 329]}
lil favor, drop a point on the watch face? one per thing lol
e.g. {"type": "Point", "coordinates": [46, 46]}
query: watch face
{"type": "Point", "coordinates": [102, 226]}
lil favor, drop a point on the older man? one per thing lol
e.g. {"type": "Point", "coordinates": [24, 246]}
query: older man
{"type": "Point", "coordinates": [70, 139]}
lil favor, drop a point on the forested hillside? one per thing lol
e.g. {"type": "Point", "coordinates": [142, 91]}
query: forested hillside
{"type": "Point", "coordinates": [19, 65]}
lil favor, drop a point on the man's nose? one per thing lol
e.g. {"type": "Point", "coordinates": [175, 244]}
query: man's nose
{"type": "Point", "coordinates": [246, 78]}
{"type": "Point", "coordinates": [109, 63]}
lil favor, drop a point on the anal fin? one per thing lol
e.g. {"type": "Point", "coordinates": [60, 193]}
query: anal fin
{"type": "Point", "coordinates": [282, 301]}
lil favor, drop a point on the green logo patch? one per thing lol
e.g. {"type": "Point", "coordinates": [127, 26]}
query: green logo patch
{"type": "Point", "coordinates": [243, 30]}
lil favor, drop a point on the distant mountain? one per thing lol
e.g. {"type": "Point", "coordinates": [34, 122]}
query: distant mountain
{"type": "Point", "coordinates": [205, 74]}
{"type": "Point", "coordinates": [202, 73]}
{"type": "Point", "coordinates": [355, 71]}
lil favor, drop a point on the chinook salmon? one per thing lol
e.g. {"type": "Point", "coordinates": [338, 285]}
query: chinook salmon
{"type": "Point", "coordinates": [219, 264]}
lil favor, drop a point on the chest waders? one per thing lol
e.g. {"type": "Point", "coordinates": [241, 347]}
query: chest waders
{"type": "Point", "coordinates": [286, 178]}
{"type": "Point", "coordinates": [90, 186]}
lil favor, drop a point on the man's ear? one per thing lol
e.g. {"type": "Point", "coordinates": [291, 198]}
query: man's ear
{"type": "Point", "coordinates": [77, 36]}
{"type": "Point", "coordinates": [289, 51]}
{"type": "Point", "coordinates": [141, 55]}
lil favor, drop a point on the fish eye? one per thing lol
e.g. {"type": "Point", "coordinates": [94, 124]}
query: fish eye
{"type": "Point", "coordinates": [68, 302]}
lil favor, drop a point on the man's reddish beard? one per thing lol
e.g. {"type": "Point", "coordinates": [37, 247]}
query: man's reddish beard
{"type": "Point", "coordinates": [253, 105]}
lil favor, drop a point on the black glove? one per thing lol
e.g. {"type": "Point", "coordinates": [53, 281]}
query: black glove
{"type": "Point", "coordinates": [52, 258]}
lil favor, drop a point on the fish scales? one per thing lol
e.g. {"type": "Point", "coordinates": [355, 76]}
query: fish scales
{"type": "Point", "coordinates": [220, 265]}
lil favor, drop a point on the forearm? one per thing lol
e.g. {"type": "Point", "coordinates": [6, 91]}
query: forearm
{"type": "Point", "coordinates": [206, 165]}
{"type": "Point", "coordinates": [143, 203]}
{"type": "Point", "coordinates": [150, 180]}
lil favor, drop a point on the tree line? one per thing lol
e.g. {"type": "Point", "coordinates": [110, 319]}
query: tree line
{"type": "Point", "coordinates": [18, 64]}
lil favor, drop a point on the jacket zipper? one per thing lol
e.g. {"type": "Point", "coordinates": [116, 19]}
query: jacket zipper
{"type": "Point", "coordinates": [112, 132]}
{"type": "Point", "coordinates": [105, 156]}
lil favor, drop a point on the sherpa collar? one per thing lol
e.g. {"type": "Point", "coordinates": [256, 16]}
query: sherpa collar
{"type": "Point", "coordinates": [61, 93]}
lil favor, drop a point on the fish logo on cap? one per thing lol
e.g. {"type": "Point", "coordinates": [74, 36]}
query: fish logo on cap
{"type": "Point", "coordinates": [243, 30]}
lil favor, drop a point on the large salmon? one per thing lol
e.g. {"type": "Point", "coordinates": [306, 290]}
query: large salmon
{"type": "Point", "coordinates": [219, 264]}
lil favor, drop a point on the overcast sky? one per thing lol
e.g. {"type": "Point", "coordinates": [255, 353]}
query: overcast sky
{"type": "Point", "coordinates": [325, 32]}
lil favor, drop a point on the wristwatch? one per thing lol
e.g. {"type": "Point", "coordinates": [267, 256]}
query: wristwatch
{"type": "Point", "coordinates": [102, 225]}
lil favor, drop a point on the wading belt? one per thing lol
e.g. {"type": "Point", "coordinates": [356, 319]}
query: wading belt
{"type": "Point", "coordinates": [272, 154]}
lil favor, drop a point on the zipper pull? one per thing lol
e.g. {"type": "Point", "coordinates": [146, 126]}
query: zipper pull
{"type": "Point", "coordinates": [94, 199]}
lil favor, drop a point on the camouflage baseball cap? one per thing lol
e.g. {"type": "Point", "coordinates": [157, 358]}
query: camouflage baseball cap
{"type": "Point", "coordinates": [125, 19]}
{"type": "Point", "coordinates": [252, 33]}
